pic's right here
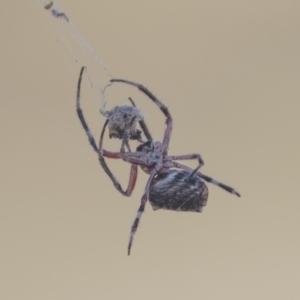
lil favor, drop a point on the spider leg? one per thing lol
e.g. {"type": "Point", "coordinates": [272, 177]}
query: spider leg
{"type": "Point", "coordinates": [141, 209]}
{"type": "Point", "coordinates": [81, 116]}
{"type": "Point", "coordinates": [189, 156]}
{"type": "Point", "coordinates": [133, 171]}
{"type": "Point", "coordinates": [207, 178]}
{"type": "Point", "coordinates": [125, 137]}
{"type": "Point", "coordinates": [143, 124]}
{"type": "Point", "coordinates": [163, 108]}
{"type": "Point", "coordinates": [116, 155]}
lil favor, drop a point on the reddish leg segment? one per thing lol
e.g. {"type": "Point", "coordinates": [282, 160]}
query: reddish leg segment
{"type": "Point", "coordinates": [133, 171]}
{"type": "Point", "coordinates": [109, 154]}
{"type": "Point", "coordinates": [80, 114]}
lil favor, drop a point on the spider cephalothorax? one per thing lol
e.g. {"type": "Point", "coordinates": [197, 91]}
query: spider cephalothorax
{"type": "Point", "coordinates": [171, 185]}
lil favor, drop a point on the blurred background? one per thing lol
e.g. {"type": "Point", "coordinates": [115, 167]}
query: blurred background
{"type": "Point", "coordinates": [229, 72]}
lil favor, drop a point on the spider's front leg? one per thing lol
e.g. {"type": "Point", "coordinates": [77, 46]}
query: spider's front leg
{"type": "Point", "coordinates": [117, 185]}
{"type": "Point", "coordinates": [80, 113]}
{"type": "Point", "coordinates": [141, 209]}
{"type": "Point", "coordinates": [116, 155]}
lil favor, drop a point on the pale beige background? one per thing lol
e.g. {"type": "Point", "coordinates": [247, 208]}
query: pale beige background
{"type": "Point", "coordinates": [229, 71]}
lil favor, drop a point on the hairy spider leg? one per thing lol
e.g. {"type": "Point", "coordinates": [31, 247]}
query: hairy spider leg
{"type": "Point", "coordinates": [116, 155]}
{"type": "Point", "coordinates": [80, 114]}
{"type": "Point", "coordinates": [163, 108]}
{"type": "Point", "coordinates": [133, 171]}
{"type": "Point", "coordinates": [141, 209]}
{"type": "Point", "coordinates": [207, 179]}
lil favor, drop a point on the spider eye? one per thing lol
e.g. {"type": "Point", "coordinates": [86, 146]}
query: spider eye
{"type": "Point", "coordinates": [125, 116]}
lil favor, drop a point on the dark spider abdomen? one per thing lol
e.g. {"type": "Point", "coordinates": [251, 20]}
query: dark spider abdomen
{"type": "Point", "coordinates": [176, 190]}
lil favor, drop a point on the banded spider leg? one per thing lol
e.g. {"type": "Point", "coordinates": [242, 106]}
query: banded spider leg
{"type": "Point", "coordinates": [133, 171]}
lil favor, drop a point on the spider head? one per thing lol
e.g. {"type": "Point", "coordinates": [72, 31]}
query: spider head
{"type": "Point", "coordinates": [121, 118]}
{"type": "Point", "coordinates": [145, 147]}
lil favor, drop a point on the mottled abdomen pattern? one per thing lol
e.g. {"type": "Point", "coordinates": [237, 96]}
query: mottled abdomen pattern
{"type": "Point", "coordinates": [177, 190]}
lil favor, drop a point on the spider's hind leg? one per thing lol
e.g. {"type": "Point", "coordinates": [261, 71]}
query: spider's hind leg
{"type": "Point", "coordinates": [218, 183]}
{"type": "Point", "coordinates": [207, 179]}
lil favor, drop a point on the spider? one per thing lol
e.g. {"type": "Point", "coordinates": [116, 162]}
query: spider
{"type": "Point", "coordinates": [171, 185]}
